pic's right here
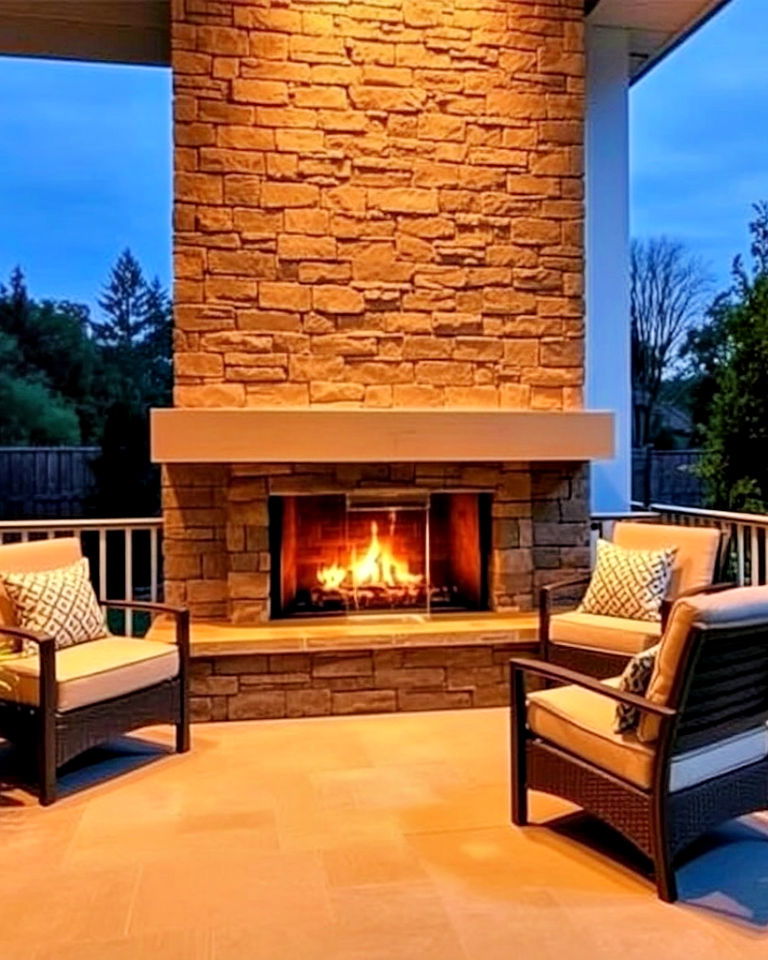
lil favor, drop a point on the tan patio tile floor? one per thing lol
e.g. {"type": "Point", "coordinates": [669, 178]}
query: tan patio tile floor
{"type": "Point", "coordinates": [356, 838]}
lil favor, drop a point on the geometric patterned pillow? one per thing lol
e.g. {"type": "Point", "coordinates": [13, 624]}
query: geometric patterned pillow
{"type": "Point", "coordinates": [628, 583]}
{"type": "Point", "coordinates": [60, 603]}
{"type": "Point", "coordinates": [635, 679]}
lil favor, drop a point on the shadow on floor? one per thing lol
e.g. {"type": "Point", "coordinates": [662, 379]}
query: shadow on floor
{"type": "Point", "coordinates": [96, 766]}
{"type": "Point", "coordinates": [725, 872]}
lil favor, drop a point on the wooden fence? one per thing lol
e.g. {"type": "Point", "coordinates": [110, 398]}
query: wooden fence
{"type": "Point", "coordinates": [45, 482]}
{"type": "Point", "coordinates": [667, 476]}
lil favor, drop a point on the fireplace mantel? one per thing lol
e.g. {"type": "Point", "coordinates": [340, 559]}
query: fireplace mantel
{"type": "Point", "coordinates": [315, 435]}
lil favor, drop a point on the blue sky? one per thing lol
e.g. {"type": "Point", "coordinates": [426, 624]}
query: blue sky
{"type": "Point", "coordinates": [85, 157]}
{"type": "Point", "coordinates": [85, 170]}
{"type": "Point", "coordinates": [699, 140]}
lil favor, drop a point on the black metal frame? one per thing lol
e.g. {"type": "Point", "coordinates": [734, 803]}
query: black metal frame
{"type": "Point", "coordinates": [721, 689]}
{"type": "Point", "coordinates": [53, 737]}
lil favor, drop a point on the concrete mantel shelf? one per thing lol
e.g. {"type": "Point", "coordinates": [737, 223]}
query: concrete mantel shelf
{"type": "Point", "coordinates": [341, 435]}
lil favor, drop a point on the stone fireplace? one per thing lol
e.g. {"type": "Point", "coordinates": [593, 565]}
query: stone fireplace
{"type": "Point", "coordinates": [379, 322]}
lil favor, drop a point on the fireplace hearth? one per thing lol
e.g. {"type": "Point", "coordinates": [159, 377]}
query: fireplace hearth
{"type": "Point", "coordinates": [379, 551]}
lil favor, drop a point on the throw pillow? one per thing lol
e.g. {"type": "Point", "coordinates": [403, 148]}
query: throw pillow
{"type": "Point", "coordinates": [628, 583]}
{"type": "Point", "coordinates": [60, 603]}
{"type": "Point", "coordinates": [635, 679]}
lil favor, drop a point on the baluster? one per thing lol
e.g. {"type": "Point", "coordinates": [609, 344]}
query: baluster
{"type": "Point", "coordinates": [102, 564]}
{"type": "Point", "coordinates": [740, 554]}
{"type": "Point", "coordinates": [754, 558]}
{"type": "Point", "coordinates": [154, 536]}
{"type": "Point", "coordinates": [128, 578]}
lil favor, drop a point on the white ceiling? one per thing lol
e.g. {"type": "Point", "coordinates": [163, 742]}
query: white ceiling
{"type": "Point", "coordinates": [654, 25]}
{"type": "Point", "coordinates": [137, 31]}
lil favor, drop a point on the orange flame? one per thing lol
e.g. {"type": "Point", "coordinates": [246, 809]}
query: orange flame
{"type": "Point", "coordinates": [378, 567]}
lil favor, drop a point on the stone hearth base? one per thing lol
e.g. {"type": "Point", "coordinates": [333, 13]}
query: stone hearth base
{"type": "Point", "coordinates": [304, 670]}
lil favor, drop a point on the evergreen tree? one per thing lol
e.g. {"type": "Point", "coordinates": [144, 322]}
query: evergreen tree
{"type": "Point", "coordinates": [158, 344]}
{"type": "Point", "coordinates": [735, 467]}
{"type": "Point", "coordinates": [124, 303]}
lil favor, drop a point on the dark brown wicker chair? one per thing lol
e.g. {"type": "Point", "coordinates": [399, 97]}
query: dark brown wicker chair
{"type": "Point", "coordinates": [47, 733]}
{"type": "Point", "coordinates": [600, 646]}
{"type": "Point", "coordinates": [700, 755]}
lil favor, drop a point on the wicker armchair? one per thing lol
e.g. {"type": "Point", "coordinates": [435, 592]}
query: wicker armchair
{"type": "Point", "coordinates": [59, 703]}
{"type": "Point", "coordinates": [599, 645]}
{"type": "Point", "coordinates": [700, 753]}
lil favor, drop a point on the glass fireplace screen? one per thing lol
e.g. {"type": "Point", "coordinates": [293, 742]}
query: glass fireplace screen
{"type": "Point", "coordinates": [370, 552]}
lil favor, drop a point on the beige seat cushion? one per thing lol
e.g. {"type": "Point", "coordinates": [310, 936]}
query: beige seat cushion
{"type": "Point", "coordinates": [738, 608]}
{"type": "Point", "coordinates": [581, 722]}
{"type": "Point", "coordinates": [607, 634]}
{"type": "Point", "coordinates": [696, 556]}
{"type": "Point", "coordinates": [92, 672]}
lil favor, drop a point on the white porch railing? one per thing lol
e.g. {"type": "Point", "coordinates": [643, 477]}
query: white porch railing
{"type": "Point", "coordinates": [746, 558]}
{"type": "Point", "coordinates": [125, 554]}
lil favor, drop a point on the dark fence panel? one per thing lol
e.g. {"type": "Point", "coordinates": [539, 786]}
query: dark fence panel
{"type": "Point", "coordinates": [45, 482]}
{"type": "Point", "coordinates": [667, 476]}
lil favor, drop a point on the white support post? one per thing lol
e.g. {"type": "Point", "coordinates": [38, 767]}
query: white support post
{"type": "Point", "coordinates": [608, 340]}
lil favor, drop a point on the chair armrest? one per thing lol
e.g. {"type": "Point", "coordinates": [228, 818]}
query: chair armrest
{"type": "Point", "coordinates": [145, 605]}
{"type": "Point", "coordinates": [710, 588]}
{"type": "Point", "coordinates": [545, 607]}
{"type": "Point", "coordinates": [666, 605]}
{"type": "Point", "coordinates": [21, 633]}
{"type": "Point", "coordinates": [180, 615]}
{"type": "Point", "coordinates": [564, 675]}
{"type": "Point", "coordinates": [549, 588]}
{"type": "Point", "coordinates": [47, 679]}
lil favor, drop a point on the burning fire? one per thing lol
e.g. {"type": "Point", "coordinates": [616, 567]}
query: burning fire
{"type": "Point", "coordinates": [379, 568]}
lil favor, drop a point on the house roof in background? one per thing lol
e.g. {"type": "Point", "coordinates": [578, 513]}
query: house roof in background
{"type": "Point", "coordinates": [138, 31]}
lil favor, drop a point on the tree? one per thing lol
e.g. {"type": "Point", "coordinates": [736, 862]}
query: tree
{"type": "Point", "coordinates": [47, 365]}
{"type": "Point", "coordinates": [68, 379]}
{"type": "Point", "coordinates": [735, 465]}
{"type": "Point", "coordinates": [668, 290]}
{"type": "Point", "coordinates": [29, 412]}
{"type": "Point", "coordinates": [135, 340]}
{"type": "Point", "coordinates": [158, 344]}
{"type": "Point", "coordinates": [124, 302]}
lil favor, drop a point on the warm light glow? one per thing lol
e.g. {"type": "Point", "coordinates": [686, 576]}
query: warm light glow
{"type": "Point", "coordinates": [378, 568]}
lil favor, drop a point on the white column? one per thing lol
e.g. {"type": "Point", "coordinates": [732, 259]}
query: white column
{"type": "Point", "coordinates": [608, 355]}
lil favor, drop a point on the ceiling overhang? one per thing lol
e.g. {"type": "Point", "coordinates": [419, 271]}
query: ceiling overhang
{"type": "Point", "coordinates": [655, 27]}
{"type": "Point", "coordinates": [138, 31]}
{"type": "Point", "coordinates": [111, 31]}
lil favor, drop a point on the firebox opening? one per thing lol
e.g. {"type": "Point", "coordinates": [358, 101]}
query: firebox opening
{"type": "Point", "coordinates": [372, 552]}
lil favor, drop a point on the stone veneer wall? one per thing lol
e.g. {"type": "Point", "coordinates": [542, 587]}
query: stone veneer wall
{"type": "Point", "coordinates": [318, 683]}
{"type": "Point", "coordinates": [216, 525]}
{"type": "Point", "coordinates": [379, 203]}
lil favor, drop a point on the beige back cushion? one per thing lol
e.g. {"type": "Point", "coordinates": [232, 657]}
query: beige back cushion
{"type": "Point", "coordinates": [739, 607]}
{"type": "Point", "coordinates": [33, 556]}
{"type": "Point", "coordinates": [697, 550]}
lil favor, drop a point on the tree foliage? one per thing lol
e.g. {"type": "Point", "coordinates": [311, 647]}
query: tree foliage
{"type": "Point", "coordinates": [732, 352]}
{"type": "Point", "coordinates": [668, 293]}
{"type": "Point", "coordinates": [67, 378]}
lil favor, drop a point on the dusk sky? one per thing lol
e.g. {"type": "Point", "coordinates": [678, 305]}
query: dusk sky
{"type": "Point", "coordinates": [85, 157]}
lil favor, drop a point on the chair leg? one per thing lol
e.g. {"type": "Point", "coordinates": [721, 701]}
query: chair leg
{"type": "Point", "coordinates": [182, 726]}
{"type": "Point", "coordinates": [182, 736]}
{"type": "Point", "coordinates": [46, 770]}
{"type": "Point", "coordinates": [518, 766]}
{"type": "Point", "coordinates": [519, 801]}
{"type": "Point", "coordinates": [666, 884]}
